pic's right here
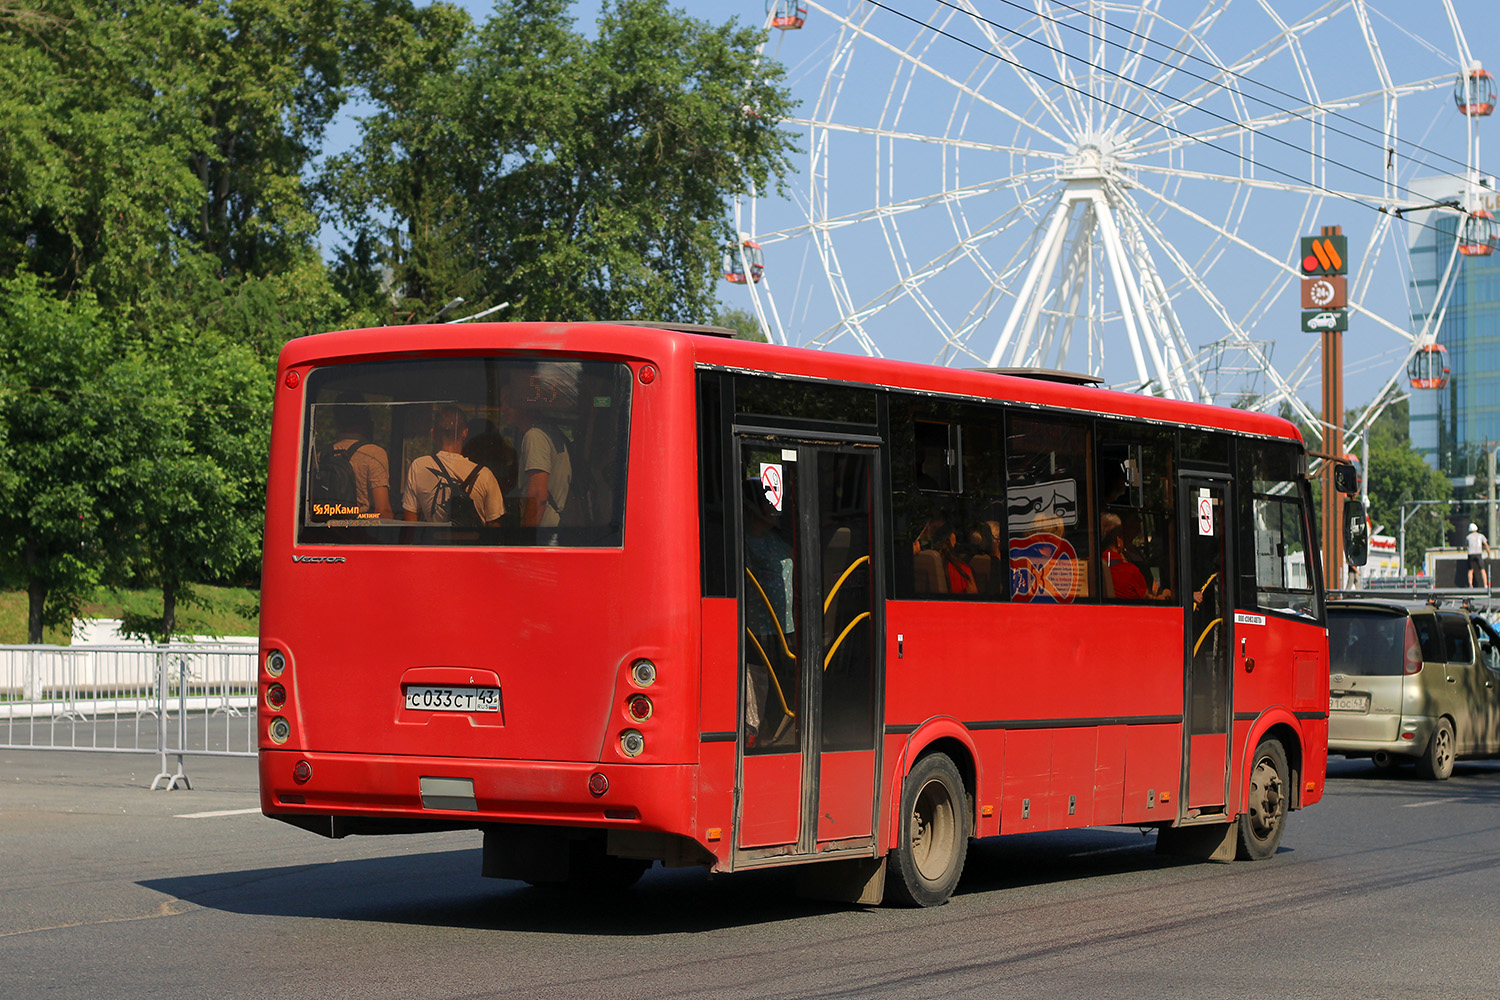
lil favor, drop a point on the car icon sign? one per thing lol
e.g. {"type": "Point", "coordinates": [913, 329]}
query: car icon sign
{"type": "Point", "coordinates": [1323, 321]}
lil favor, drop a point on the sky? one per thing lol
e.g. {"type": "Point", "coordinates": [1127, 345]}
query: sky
{"type": "Point", "coordinates": [932, 161]}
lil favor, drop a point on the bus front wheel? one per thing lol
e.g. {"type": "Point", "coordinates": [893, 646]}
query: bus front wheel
{"type": "Point", "coordinates": [925, 865]}
{"type": "Point", "coordinates": [1266, 800]}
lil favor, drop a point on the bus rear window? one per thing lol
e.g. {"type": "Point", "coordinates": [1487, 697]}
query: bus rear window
{"type": "Point", "coordinates": [465, 451]}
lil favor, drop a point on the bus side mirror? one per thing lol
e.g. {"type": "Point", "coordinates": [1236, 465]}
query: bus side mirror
{"type": "Point", "coordinates": [1345, 479]}
{"type": "Point", "coordinates": [1356, 533]}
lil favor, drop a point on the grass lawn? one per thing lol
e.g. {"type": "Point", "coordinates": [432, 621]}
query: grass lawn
{"type": "Point", "coordinates": [231, 611]}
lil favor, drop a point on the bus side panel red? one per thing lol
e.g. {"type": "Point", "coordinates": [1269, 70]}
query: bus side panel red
{"type": "Point", "coordinates": [1153, 764]}
{"type": "Point", "coordinates": [1028, 781]}
{"type": "Point", "coordinates": [1109, 777]}
{"type": "Point", "coordinates": [1075, 756]}
{"type": "Point", "coordinates": [844, 794]}
{"type": "Point", "coordinates": [715, 826]}
{"type": "Point", "coordinates": [770, 800]}
{"type": "Point", "coordinates": [718, 711]}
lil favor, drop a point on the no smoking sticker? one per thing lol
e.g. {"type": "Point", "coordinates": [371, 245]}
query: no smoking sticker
{"type": "Point", "coordinates": [772, 483]}
{"type": "Point", "coordinates": [1205, 515]}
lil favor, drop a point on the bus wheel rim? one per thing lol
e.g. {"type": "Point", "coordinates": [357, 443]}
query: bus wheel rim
{"type": "Point", "coordinates": [933, 829]}
{"type": "Point", "coordinates": [1265, 798]}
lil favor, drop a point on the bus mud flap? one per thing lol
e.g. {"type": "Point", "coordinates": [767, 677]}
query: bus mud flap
{"type": "Point", "coordinates": [1211, 842]}
{"type": "Point", "coordinates": [853, 880]}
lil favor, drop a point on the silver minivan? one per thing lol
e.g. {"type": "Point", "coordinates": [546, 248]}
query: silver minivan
{"type": "Point", "coordinates": [1412, 682]}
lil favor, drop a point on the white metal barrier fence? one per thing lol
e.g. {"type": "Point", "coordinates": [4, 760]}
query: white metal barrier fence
{"type": "Point", "coordinates": [171, 701]}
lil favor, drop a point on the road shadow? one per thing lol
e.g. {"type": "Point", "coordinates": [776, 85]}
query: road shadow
{"type": "Point", "coordinates": [445, 889]}
{"type": "Point", "coordinates": [1472, 779]}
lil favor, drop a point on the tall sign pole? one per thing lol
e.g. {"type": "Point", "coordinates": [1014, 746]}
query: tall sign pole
{"type": "Point", "coordinates": [1325, 310]}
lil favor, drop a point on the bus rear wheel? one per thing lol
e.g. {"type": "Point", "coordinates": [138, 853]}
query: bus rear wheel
{"type": "Point", "coordinates": [1266, 800]}
{"type": "Point", "coordinates": [924, 867]}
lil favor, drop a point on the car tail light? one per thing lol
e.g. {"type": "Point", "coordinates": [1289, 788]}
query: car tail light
{"type": "Point", "coordinates": [1412, 660]}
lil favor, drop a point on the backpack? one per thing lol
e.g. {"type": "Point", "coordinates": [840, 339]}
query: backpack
{"type": "Point", "coordinates": [461, 512]}
{"type": "Point", "coordinates": [334, 480]}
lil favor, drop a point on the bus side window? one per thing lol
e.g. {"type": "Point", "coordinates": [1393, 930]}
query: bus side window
{"type": "Point", "coordinates": [1135, 475]}
{"type": "Point", "coordinates": [1051, 529]}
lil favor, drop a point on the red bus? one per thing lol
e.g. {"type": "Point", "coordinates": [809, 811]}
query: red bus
{"type": "Point", "coordinates": [738, 605]}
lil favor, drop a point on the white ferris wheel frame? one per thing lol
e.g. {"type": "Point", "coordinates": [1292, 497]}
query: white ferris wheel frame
{"type": "Point", "coordinates": [1097, 207]}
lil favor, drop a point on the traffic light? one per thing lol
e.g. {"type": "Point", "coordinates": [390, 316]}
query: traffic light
{"type": "Point", "coordinates": [1325, 256]}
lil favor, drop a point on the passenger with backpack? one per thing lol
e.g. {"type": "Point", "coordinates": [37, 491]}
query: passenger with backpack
{"type": "Point", "coordinates": [353, 471]}
{"type": "Point", "coordinates": [446, 487]}
{"type": "Point", "coordinates": [546, 468]}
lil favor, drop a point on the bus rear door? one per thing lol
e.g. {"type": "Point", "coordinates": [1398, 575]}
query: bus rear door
{"type": "Point", "coordinates": [810, 666]}
{"type": "Point", "coordinates": [1209, 636]}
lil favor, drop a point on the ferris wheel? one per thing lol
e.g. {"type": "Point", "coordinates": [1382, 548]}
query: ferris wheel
{"type": "Point", "coordinates": [1117, 188]}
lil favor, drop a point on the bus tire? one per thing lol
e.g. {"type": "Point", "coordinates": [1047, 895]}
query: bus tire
{"type": "Point", "coordinates": [924, 867]}
{"type": "Point", "coordinates": [1436, 761]}
{"type": "Point", "coordinates": [1267, 797]}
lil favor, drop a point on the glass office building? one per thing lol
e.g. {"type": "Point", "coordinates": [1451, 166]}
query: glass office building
{"type": "Point", "coordinates": [1455, 426]}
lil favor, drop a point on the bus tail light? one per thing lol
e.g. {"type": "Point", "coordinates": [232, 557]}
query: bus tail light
{"type": "Point", "coordinates": [632, 743]}
{"type": "Point", "coordinates": [643, 673]}
{"type": "Point", "coordinates": [275, 662]}
{"type": "Point", "coordinates": [598, 784]}
{"type": "Point", "coordinates": [302, 772]}
{"type": "Point", "coordinates": [638, 707]}
{"type": "Point", "coordinates": [280, 730]}
{"type": "Point", "coordinates": [1412, 659]}
{"type": "Point", "coordinates": [276, 697]}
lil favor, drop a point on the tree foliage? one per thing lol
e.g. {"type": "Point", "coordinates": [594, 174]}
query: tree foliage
{"type": "Point", "coordinates": [1397, 474]}
{"type": "Point", "coordinates": [160, 218]}
{"type": "Point", "coordinates": [574, 177]}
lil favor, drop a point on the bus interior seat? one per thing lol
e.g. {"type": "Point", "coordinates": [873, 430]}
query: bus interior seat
{"type": "Point", "coordinates": [930, 577]}
{"type": "Point", "coordinates": [980, 565]}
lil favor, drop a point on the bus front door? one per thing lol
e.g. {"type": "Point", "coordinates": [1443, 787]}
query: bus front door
{"type": "Point", "coordinates": [810, 676]}
{"type": "Point", "coordinates": [1207, 529]}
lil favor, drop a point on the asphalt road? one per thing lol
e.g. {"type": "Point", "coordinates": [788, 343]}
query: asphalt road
{"type": "Point", "coordinates": [1386, 889]}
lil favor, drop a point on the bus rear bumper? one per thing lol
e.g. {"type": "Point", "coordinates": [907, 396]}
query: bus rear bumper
{"type": "Point", "coordinates": [365, 794]}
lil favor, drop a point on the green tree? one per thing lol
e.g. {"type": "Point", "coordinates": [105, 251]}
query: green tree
{"type": "Point", "coordinates": [1397, 474]}
{"type": "Point", "coordinates": [574, 177]}
{"type": "Point", "coordinates": [68, 439]}
{"type": "Point", "coordinates": [196, 511]}
{"type": "Point", "coordinates": [741, 321]}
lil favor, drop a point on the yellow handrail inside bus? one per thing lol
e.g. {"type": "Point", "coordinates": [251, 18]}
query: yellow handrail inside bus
{"type": "Point", "coordinates": [770, 670]}
{"type": "Point", "coordinates": [774, 617]}
{"type": "Point", "coordinates": [828, 601]}
{"type": "Point", "coordinates": [1204, 589]}
{"type": "Point", "coordinates": [1211, 626]}
{"type": "Point", "coordinates": [847, 629]}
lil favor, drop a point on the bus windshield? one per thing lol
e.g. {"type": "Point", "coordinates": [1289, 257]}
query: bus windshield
{"type": "Point", "coordinates": [465, 451]}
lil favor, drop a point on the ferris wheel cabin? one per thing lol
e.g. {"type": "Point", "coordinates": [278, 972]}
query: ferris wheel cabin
{"type": "Point", "coordinates": [790, 14]}
{"type": "Point", "coordinates": [743, 263]}
{"type": "Point", "coordinates": [1429, 367]}
{"type": "Point", "coordinates": [1478, 234]}
{"type": "Point", "coordinates": [1474, 92]}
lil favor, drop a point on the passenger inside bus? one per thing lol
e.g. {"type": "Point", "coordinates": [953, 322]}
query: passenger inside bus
{"type": "Point", "coordinates": [485, 445]}
{"type": "Point", "coordinates": [770, 624]}
{"type": "Point", "coordinates": [436, 483]}
{"type": "Point", "coordinates": [1127, 577]}
{"type": "Point", "coordinates": [546, 467]}
{"type": "Point", "coordinates": [369, 465]}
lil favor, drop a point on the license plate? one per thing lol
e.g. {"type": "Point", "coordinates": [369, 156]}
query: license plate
{"type": "Point", "coordinates": [429, 698]}
{"type": "Point", "coordinates": [1349, 703]}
